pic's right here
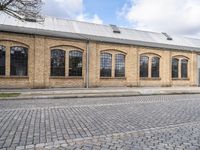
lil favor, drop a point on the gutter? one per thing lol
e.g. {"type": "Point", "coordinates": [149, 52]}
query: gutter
{"type": "Point", "coordinates": [59, 34]}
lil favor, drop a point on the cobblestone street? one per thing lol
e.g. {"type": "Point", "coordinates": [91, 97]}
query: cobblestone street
{"type": "Point", "coordinates": [143, 122]}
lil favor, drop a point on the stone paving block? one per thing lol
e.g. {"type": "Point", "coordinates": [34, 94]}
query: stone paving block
{"type": "Point", "coordinates": [20, 147]}
{"type": "Point", "coordinates": [115, 123]}
{"type": "Point", "coordinates": [30, 146]}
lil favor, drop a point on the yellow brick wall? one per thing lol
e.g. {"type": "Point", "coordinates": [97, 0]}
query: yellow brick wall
{"type": "Point", "coordinates": [39, 63]}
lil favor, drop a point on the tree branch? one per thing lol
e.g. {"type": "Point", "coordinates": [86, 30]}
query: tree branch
{"type": "Point", "coordinates": [23, 9]}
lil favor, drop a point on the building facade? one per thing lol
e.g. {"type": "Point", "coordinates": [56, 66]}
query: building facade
{"type": "Point", "coordinates": [30, 60]}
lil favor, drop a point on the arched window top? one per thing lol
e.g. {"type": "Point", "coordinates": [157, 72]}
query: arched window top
{"type": "Point", "coordinates": [106, 54]}
{"type": "Point", "coordinates": [56, 49]}
{"type": "Point", "coordinates": [21, 49]}
{"type": "Point", "coordinates": [175, 59]}
{"type": "Point", "coordinates": [76, 50]}
{"type": "Point", "coordinates": [184, 60]}
{"type": "Point", "coordinates": [2, 48]}
{"type": "Point", "coordinates": [180, 57]}
{"type": "Point", "coordinates": [75, 53]}
{"type": "Point", "coordinates": [55, 52]}
{"type": "Point", "coordinates": [120, 55]}
{"type": "Point", "coordinates": [155, 57]}
{"type": "Point", "coordinates": [144, 58]}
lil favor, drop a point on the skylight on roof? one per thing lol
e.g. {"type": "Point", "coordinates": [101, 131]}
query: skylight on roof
{"type": "Point", "coordinates": [168, 36]}
{"type": "Point", "coordinates": [115, 29]}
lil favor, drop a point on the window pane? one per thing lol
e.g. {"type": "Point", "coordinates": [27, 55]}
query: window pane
{"type": "Point", "coordinates": [119, 65]}
{"type": "Point", "coordinates": [175, 68]}
{"type": "Point", "coordinates": [75, 63]}
{"type": "Point", "coordinates": [2, 60]}
{"type": "Point", "coordinates": [106, 65]}
{"type": "Point", "coordinates": [144, 60]}
{"type": "Point", "coordinates": [184, 68]}
{"type": "Point", "coordinates": [19, 61]}
{"type": "Point", "coordinates": [57, 62]}
{"type": "Point", "coordinates": [155, 68]}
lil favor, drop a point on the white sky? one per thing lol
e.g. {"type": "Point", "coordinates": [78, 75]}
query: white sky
{"type": "Point", "coordinates": [171, 16]}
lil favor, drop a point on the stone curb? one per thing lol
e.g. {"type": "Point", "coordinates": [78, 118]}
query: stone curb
{"type": "Point", "coordinates": [97, 95]}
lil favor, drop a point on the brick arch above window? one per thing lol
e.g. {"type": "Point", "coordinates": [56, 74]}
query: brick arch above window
{"type": "Point", "coordinates": [113, 51]}
{"type": "Point", "coordinates": [180, 57]}
{"type": "Point", "coordinates": [15, 43]}
{"type": "Point", "coordinates": [149, 54]}
{"type": "Point", "coordinates": [67, 47]}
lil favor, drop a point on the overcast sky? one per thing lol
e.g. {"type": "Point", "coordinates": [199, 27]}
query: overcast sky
{"type": "Point", "coordinates": [171, 16]}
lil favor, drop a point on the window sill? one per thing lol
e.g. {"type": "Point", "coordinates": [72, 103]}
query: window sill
{"type": "Point", "coordinates": [62, 77]}
{"type": "Point", "coordinates": [14, 77]}
{"type": "Point", "coordinates": [118, 78]}
{"type": "Point", "coordinates": [150, 78]}
{"type": "Point", "coordinates": [184, 79]}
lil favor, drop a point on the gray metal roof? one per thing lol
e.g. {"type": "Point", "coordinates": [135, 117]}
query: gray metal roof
{"type": "Point", "coordinates": [83, 30]}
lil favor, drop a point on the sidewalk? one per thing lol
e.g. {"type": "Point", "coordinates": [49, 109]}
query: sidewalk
{"type": "Point", "coordinates": [97, 92]}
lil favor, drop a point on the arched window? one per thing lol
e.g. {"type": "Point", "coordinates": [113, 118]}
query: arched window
{"type": "Point", "coordinates": [175, 68]}
{"type": "Point", "coordinates": [106, 65]}
{"type": "Point", "coordinates": [144, 61]}
{"type": "Point", "coordinates": [57, 62]}
{"type": "Point", "coordinates": [155, 67]}
{"type": "Point", "coordinates": [2, 60]}
{"type": "Point", "coordinates": [75, 63]}
{"type": "Point", "coordinates": [119, 65]}
{"type": "Point", "coordinates": [19, 61]}
{"type": "Point", "coordinates": [184, 68]}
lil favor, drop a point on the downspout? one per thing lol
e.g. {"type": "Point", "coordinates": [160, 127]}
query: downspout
{"type": "Point", "coordinates": [87, 63]}
{"type": "Point", "coordinates": [87, 59]}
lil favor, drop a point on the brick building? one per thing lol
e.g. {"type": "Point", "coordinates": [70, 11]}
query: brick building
{"type": "Point", "coordinates": [66, 53]}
